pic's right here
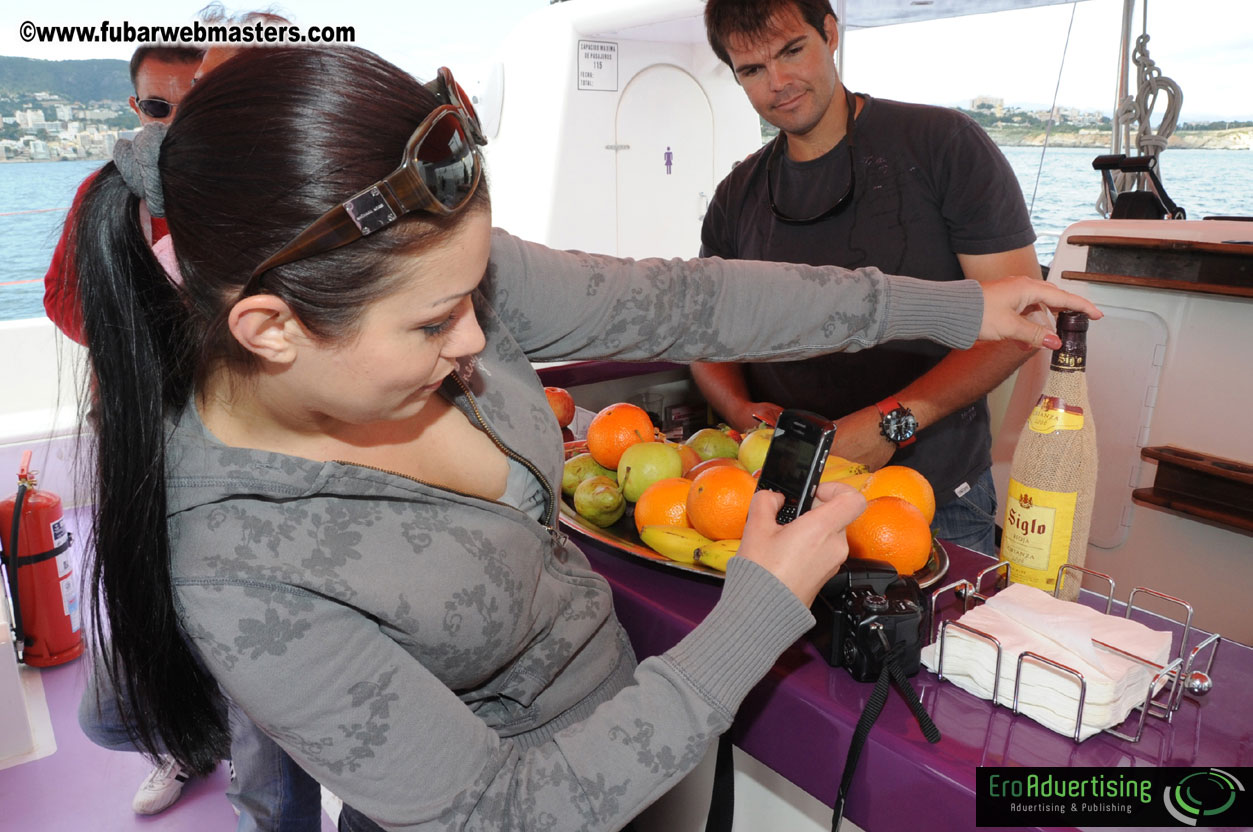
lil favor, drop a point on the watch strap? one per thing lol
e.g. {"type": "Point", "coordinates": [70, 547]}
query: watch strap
{"type": "Point", "coordinates": [888, 405]}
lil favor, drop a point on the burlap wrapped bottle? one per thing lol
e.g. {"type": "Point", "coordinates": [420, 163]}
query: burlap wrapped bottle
{"type": "Point", "coordinates": [1048, 511]}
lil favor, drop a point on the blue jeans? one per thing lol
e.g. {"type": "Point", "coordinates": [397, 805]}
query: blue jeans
{"type": "Point", "coordinates": [272, 793]}
{"type": "Point", "coordinates": [970, 520]}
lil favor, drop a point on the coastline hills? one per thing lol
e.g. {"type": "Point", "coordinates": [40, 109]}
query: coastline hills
{"type": "Point", "coordinates": [1236, 138]}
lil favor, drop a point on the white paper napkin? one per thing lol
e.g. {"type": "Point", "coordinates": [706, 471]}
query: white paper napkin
{"type": "Point", "coordinates": [1026, 619]}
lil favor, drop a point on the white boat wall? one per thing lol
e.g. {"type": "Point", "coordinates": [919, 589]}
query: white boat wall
{"type": "Point", "coordinates": [39, 406]}
{"type": "Point", "coordinates": [609, 126]}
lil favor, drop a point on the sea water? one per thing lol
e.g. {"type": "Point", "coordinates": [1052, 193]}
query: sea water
{"type": "Point", "coordinates": [1205, 182]}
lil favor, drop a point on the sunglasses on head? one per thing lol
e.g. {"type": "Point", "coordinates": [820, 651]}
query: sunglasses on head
{"type": "Point", "coordinates": [846, 199]}
{"type": "Point", "coordinates": [439, 172]}
{"type": "Point", "coordinates": [155, 107]}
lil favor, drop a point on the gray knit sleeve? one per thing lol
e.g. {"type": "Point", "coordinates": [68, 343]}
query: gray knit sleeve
{"type": "Point", "coordinates": [570, 305]}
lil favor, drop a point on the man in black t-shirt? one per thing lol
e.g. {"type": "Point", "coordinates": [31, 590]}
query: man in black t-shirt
{"type": "Point", "coordinates": [856, 181]}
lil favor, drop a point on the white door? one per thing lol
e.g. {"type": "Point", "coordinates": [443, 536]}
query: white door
{"type": "Point", "coordinates": [665, 164]}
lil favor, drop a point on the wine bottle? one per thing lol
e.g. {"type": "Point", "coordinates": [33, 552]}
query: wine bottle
{"type": "Point", "coordinates": [1052, 479]}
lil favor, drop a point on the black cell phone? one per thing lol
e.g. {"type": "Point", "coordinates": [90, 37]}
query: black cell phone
{"type": "Point", "coordinates": [798, 451]}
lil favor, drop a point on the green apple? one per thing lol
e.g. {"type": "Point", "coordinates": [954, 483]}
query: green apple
{"type": "Point", "coordinates": [644, 463]}
{"type": "Point", "coordinates": [754, 447]}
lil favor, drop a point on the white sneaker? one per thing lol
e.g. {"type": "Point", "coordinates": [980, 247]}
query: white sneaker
{"type": "Point", "coordinates": [230, 766]}
{"type": "Point", "coordinates": [160, 788]}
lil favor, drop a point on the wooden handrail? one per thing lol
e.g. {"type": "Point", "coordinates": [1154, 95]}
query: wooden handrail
{"type": "Point", "coordinates": [1161, 283]}
{"type": "Point", "coordinates": [1239, 248]}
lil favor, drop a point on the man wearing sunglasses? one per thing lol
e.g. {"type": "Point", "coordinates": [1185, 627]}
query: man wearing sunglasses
{"type": "Point", "coordinates": [161, 76]}
{"type": "Point", "coordinates": [856, 181]}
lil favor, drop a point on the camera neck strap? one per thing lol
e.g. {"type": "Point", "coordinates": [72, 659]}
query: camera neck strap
{"type": "Point", "coordinates": [890, 675]}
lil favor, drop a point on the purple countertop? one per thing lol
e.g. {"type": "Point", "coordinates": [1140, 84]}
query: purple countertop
{"type": "Point", "coordinates": [800, 718]}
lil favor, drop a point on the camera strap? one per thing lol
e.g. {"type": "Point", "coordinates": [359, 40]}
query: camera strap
{"type": "Point", "coordinates": [890, 675]}
{"type": "Point", "coordinates": [722, 801]}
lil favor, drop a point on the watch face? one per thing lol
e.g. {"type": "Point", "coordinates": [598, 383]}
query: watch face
{"type": "Point", "coordinates": [899, 425]}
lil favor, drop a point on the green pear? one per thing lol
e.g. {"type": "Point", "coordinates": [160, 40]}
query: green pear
{"type": "Point", "coordinates": [598, 500]}
{"type": "Point", "coordinates": [712, 443]}
{"type": "Point", "coordinates": [579, 468]}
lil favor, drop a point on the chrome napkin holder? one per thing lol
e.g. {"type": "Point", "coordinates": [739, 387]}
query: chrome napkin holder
{"type": "Point", "coordinates": [1166, 678]}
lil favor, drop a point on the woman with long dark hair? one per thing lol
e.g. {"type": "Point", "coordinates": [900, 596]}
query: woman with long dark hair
{"type": "Point", "coordinates": [326, 467]}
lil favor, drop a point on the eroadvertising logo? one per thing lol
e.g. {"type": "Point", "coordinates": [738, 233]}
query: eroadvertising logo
{"type": "Point", "coordinates": [1127, 797]}
{"type": "Point", "coordinates": [1203, 795]}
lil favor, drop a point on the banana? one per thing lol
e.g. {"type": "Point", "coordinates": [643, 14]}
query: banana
{"type": "Point", "coordinates": [837, 468]}
{"type": "Point", "coordinates": [857, 481]}
{"type": "Point", "coordinates": [716, 554]}
{"type": "Point", "coordinates": [678, 544]}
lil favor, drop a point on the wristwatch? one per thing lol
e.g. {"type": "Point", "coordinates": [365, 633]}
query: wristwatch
{"type": "Point", "coordinates": [897, 423]}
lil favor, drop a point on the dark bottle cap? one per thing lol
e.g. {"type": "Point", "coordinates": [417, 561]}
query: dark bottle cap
{"type": "Point", "coordinates": [1068, 321]}
{"type": "Point", "coordinates": [1072, 328]}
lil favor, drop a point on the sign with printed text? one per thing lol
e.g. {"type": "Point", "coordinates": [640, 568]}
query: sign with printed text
{"type": "Point", "coordinates": [1122, 797]}
{"type": "Point", "coordinates": [598, 65]}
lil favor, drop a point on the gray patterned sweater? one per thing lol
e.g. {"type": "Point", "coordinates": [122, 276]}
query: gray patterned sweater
{"type": "Point", "coordinates": [442, 661]}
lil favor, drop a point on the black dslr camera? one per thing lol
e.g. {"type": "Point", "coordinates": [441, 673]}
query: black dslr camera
{"type": "Point", "coordinates": [866, 610]}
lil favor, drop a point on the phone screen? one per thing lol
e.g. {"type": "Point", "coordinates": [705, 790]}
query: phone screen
{"type": "Point", "coordinates": [789, 460]}
{"type": "Point", "coordinates": [795, 459]}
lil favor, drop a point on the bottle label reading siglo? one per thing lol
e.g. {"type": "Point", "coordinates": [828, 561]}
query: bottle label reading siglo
{"type": "Point", "coordinates": [1036, 540]}
{"type": "Point", "coordinates": [1069, 361]}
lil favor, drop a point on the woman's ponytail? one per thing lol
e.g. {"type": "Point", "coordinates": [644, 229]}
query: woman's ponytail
{"type": "Point", "coordinates": [134, 323]}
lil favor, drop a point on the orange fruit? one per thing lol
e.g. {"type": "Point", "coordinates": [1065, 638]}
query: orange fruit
{"type": "Point", "coordinates": [717, 462]}
{"type": "Point", "coordinates": [891, 529]}
{"type": "Point", "coordinates": [906, 483]}
{"type": "Point", "coordinates": [664, 503]}
{"type": "Point", "coordinates": [616, 428]}
{"type": "Point", "coordinates": [717, 505]}
{"type": "Point", "coordinates": [688, 454]}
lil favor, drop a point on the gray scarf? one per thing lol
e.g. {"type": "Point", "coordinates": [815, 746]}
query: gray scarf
{"type": "Point", "coordinates": [137, 159]}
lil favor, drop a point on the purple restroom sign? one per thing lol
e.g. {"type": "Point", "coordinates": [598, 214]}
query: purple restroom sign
{"type": "Point", "coordinates": [669, 161]}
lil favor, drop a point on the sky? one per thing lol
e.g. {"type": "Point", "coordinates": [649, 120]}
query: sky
{"type": "Point", "coordinates": [1206, 46]}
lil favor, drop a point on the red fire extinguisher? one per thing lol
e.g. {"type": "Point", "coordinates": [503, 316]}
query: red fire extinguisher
{"type": "Point", "coordinates": [42, 589]}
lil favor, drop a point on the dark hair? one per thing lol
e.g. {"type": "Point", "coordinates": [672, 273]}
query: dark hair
{"type": "Point", "coordinates": [165, 54]}
{"type": "Point", "coordinates": [267, 143]}
{"type": "Point", "coordinates": [755, 18]}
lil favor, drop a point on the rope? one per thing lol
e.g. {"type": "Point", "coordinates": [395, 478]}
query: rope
{"type": "Point", "coordinates": [1048, 130]}
{"type": "Point", "coordinates": [1139, 111]}
{"type": "Point", "coordinates": [31, 211]}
